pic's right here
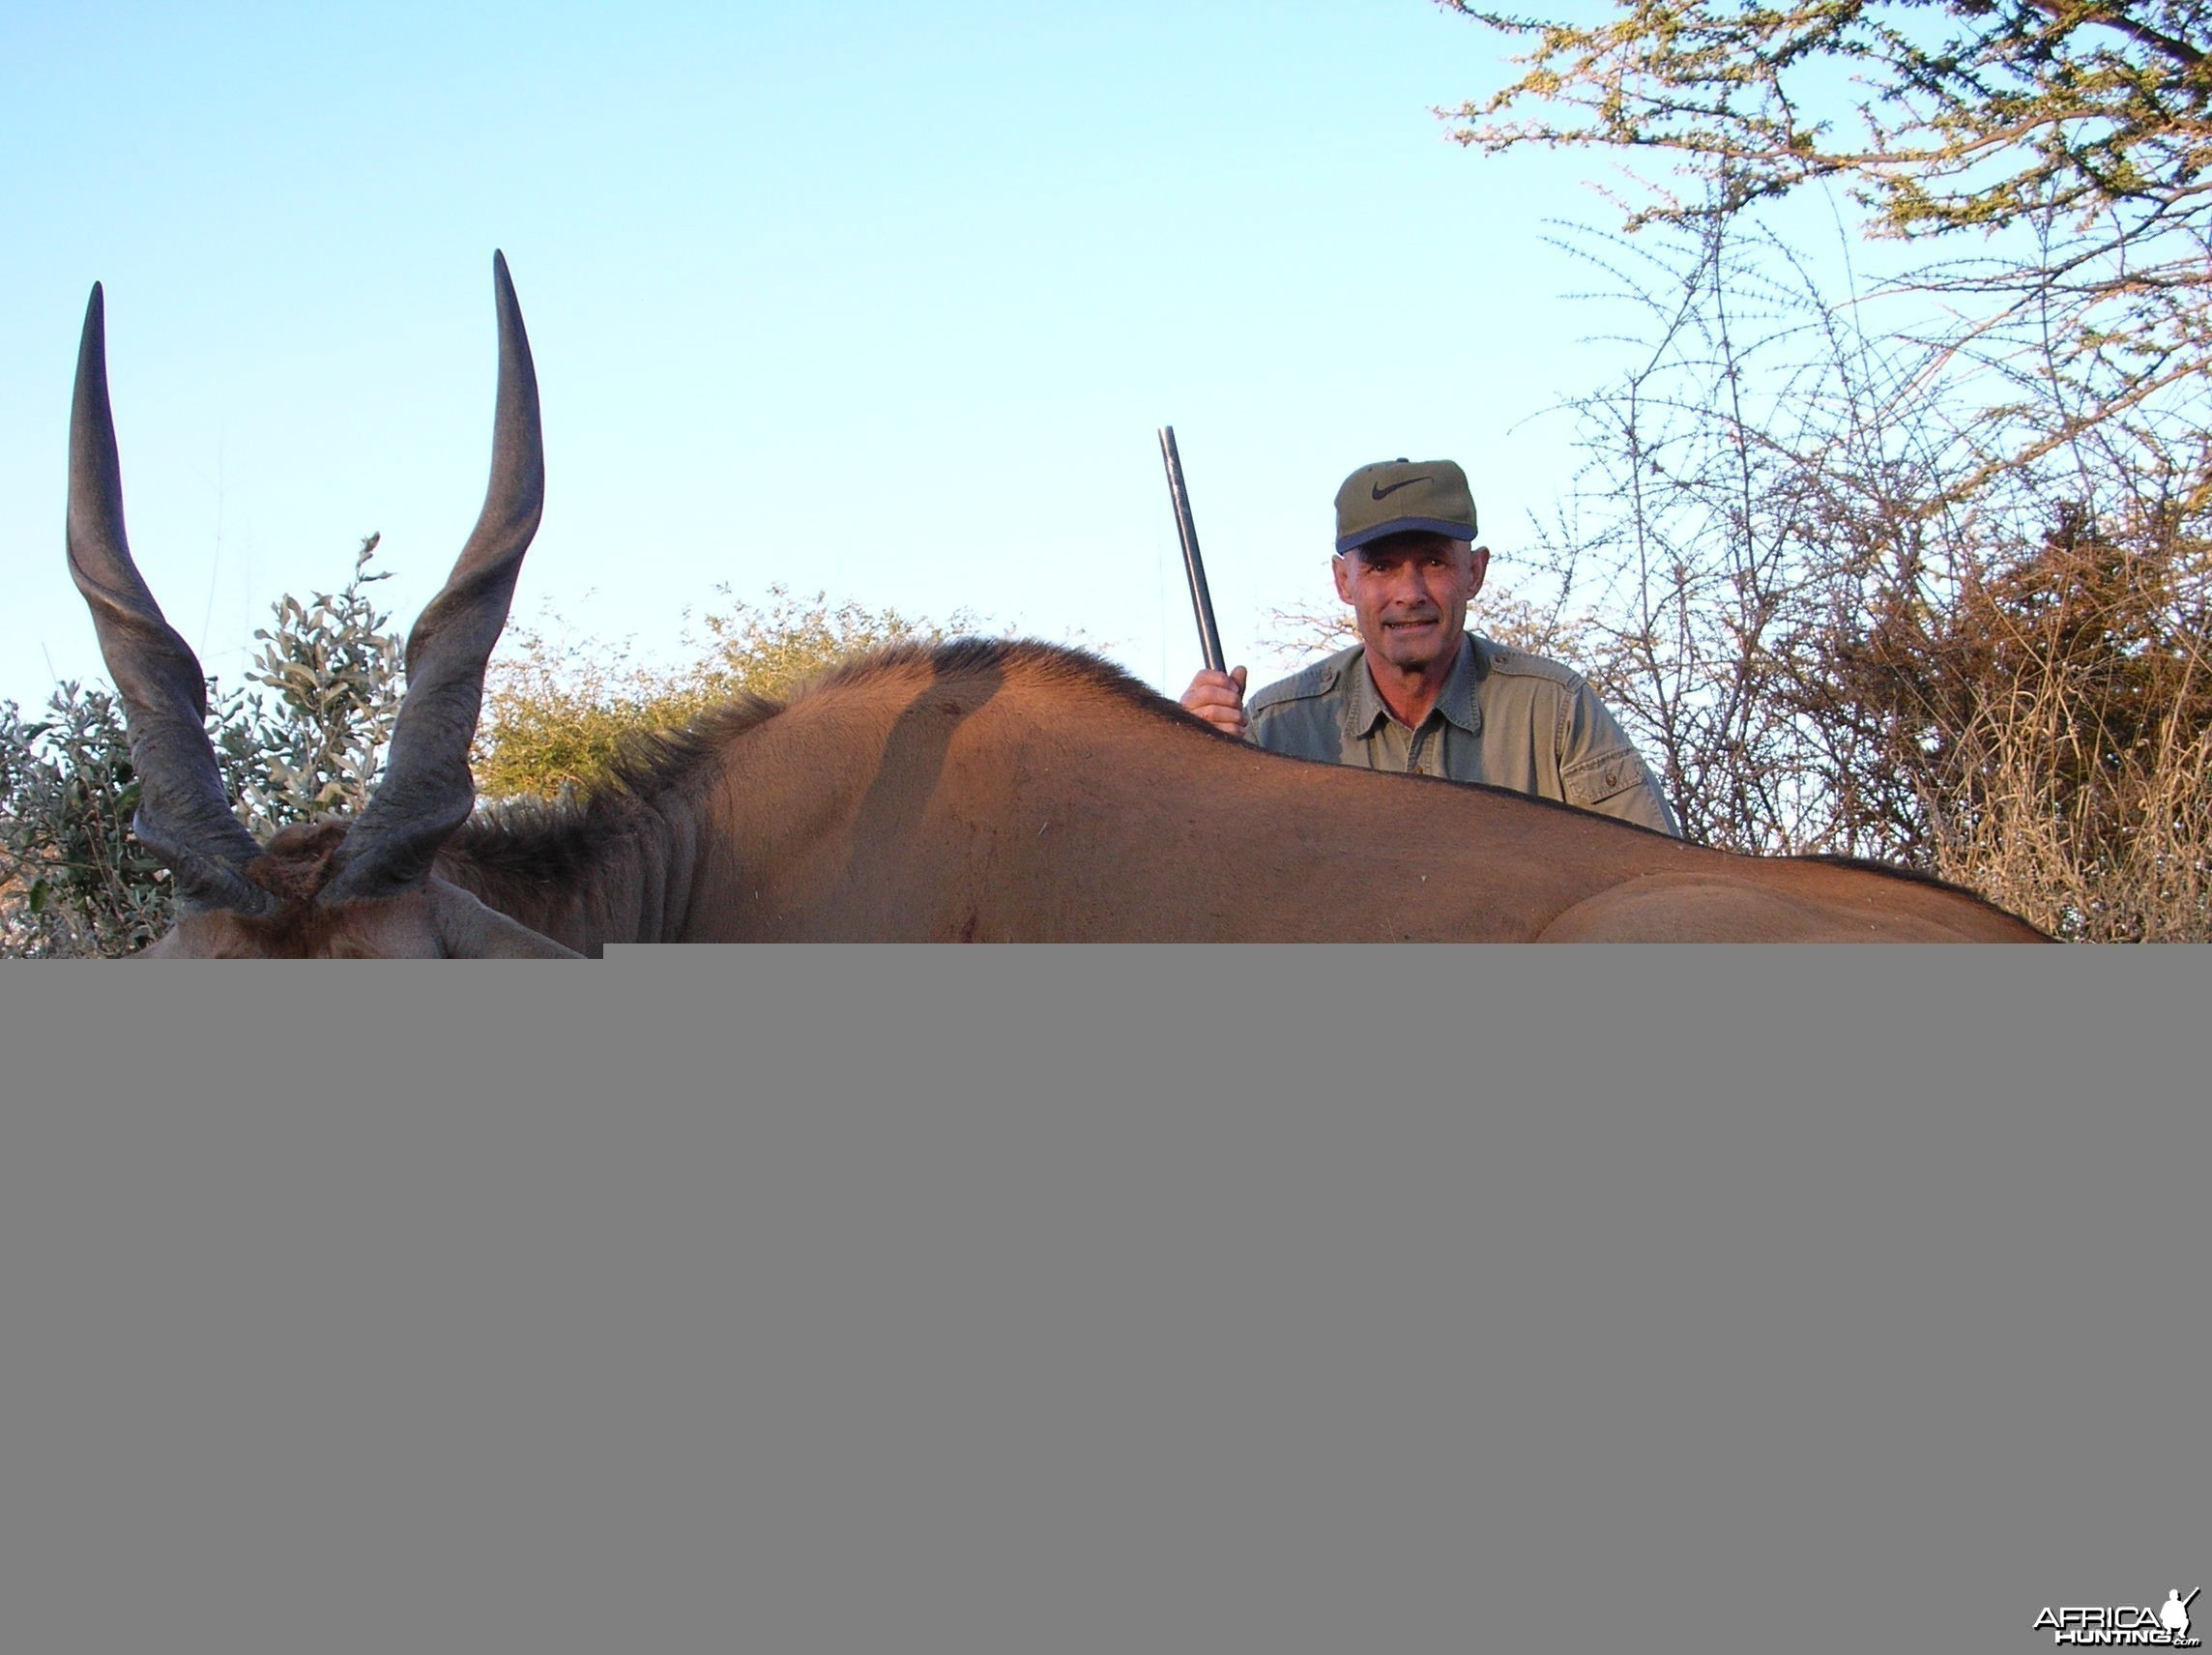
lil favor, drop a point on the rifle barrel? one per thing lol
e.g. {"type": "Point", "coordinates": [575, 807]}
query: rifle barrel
{"type": "Point", "coordinates": [1201, 599]}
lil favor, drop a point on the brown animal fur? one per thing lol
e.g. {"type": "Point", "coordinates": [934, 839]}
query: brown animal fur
{"type": "Point", "coordinates": [994, 790]}
{"type": "Point", "coordinates": [297, 863]}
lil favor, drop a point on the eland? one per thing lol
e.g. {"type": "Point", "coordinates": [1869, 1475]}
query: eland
{"type": "Point", "coordinates": [971, 792]}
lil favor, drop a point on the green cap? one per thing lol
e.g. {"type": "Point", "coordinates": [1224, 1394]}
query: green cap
{"type": "Point", "coordinates": [1391, 497]}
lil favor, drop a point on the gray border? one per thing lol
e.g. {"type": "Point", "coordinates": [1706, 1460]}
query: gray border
{"type": "Point", "coordinates": [1095, 1299]}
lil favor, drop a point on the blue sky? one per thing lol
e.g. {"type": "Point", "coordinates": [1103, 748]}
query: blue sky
{"type": "Point", "coordinates": [884, 301]}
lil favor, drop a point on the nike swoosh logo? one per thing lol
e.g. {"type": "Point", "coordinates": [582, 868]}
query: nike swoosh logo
{"type": "Point", "coordinates": [1378, 493]}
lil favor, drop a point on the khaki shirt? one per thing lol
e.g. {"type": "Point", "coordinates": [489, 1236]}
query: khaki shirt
{"type": "Point", "coordinates": [1505, 717]}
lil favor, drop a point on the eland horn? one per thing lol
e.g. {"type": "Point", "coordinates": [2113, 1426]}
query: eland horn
{"type": "Point", "coordinates": [182, 816]}
{"type": "Point", "coordinates": [426, 790]}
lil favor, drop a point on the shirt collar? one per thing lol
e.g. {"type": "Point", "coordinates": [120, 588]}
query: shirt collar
{"type": "Point", "coordinates": [1364, 708]}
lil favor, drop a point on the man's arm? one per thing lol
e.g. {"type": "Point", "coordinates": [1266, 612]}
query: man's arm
{"type": "Point", "coordinates": [1601, 770]}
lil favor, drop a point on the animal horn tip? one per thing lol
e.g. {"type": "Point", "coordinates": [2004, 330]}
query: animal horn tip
{"type": "Point", "coordinates": [503, 283]}
{"type": "Point", "coordinates": [92, 351]}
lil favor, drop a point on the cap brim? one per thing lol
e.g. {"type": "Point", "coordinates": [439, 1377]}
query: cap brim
{"type": "Point", "coordinates": [1405, 526]}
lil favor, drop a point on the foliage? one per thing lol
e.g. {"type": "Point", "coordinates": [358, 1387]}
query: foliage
{"type": "Point", "coordinates": [1826, 646]}
{"type": "Point", "coordinates": [2071, 139]}
{"type": "Point", "coordinates": [2057, 712]}
{"type": "Point", "coordinates": [1935, 589]}
{"type": "Point", "coordinates": [72, 879]}
{"type": "Point", "coordinates": [311, 747]}
{"type": "Point", "coordinates": [1970, 112]}
{"type": "Point", "coordinates": [558, 714]}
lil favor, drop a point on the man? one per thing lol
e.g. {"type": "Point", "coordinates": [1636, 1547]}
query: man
{"type": "Point", "coordinates": [1418, 693]}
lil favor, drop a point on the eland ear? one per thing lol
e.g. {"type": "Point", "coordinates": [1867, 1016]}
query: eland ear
{"type": "Point", "coordinates": [468, 930]}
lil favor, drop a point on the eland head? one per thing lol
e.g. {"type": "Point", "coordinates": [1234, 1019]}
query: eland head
{"type": "Point", "coordinates": [365, 887]}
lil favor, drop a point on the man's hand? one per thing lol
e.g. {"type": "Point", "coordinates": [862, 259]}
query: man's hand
{"type": "Point", "coordinates": [1218, 698]}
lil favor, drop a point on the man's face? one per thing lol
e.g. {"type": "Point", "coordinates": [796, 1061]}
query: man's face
{"type": "Point", "coordinates": [1410, 593]}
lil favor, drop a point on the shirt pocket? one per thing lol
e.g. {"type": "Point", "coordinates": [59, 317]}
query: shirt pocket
{"type": "Point", "coordinates": [1590, 782]}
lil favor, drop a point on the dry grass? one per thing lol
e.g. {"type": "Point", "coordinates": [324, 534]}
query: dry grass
{"type": "Point", "coordinates": [2124, 858]}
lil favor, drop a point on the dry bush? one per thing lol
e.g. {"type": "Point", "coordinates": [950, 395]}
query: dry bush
{"type": "Point", "coordinates": [558, 714]}
{"type": "Point", "coordinates": [2055, 722]}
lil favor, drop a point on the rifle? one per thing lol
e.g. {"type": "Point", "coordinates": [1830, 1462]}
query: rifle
{"type": "Point", "coordinates": [1201, 601]}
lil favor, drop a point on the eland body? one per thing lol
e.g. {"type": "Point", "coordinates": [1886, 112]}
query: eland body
{"type": "Point", "coordinates": [971, 791]}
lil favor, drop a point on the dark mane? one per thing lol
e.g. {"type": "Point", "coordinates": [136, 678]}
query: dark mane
{"type": "Point", "coordinates": [527, 844]}
{"type": "Point", "coordinates": [1030, 658]}
{"type": "Point", "coordinates": [1915, 875]}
